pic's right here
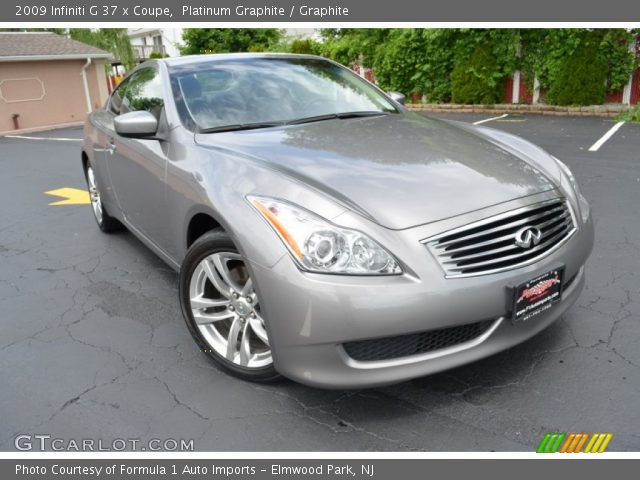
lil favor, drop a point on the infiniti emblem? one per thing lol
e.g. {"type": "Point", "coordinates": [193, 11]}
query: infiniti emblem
{"type": "Point", "coordinates": [528, 237]}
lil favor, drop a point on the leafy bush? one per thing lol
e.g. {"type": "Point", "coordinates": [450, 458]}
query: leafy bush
{"type": "Point", "coordinates": [305, 46]}
{"type": "Point", "coordinates": [224, 40]}
{"type": "Point", "coordinates": [545, 53]}
{"type": "Point", "coordinates": [420, 61]}
{"type": "Point", "coordinates": [580, 79]}
{"type": "Point", "coordinates": [479, 79]}
{"type": "Point", "coordinates": [621, 62]}
{"type": "Point", "coordinates": [416, 61]}
{"type": "Point", "coordinates": [630, 116]}
{"type": "Point", "coordinates": [349, 45]}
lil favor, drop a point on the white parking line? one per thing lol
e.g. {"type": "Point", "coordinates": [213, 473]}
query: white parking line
{"type": "Point", "coordinates": [22, 137]}
{"type": "Point", "coordinates": [596, 146]}
{"type": "Point", "coordinates": [490, 119]}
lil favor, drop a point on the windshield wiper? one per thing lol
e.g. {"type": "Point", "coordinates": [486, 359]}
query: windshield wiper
{"type": "Point", "coordinates": [315, 118]}
{"type": "Point", "coordinates": [340, 115]}
{"type": "Point", "coordinates": [240, 126]}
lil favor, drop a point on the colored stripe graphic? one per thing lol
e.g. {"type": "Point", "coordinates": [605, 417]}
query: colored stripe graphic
{"type": "Point", "coordinates": [555, 442]}
{"type": "Point", "coordinates": [598, 442]}
{"type": "Point", "coordinates": [567, 443]}
{"type": "Point", "coordinates": [574, 443]}
{"type": "Point", "coordinates": [543, 443]}
{"type": "Point", "coordinates": [581, 443]}
{"type": "Point", "coordinates": [550, 443]}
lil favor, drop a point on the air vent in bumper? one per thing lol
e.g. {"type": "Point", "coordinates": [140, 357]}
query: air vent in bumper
{"type": "Point", "coordinates": [388, 348]}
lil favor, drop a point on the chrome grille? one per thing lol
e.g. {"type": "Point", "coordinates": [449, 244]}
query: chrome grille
{"type": "Point", "coordinates": [489, 245]}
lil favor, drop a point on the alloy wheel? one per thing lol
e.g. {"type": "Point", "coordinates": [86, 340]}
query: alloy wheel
{"type": "Point", "coordinates": [226, 310]}
{"type": "Point", "coordinates": [94, 194]}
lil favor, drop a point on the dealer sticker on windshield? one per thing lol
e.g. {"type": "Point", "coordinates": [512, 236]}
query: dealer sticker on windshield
{"type": "Point", "coordinates": [537, 295]}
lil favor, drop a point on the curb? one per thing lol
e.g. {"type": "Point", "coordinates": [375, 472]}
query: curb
{"type": "Point", "coordinates": [44, 128]}
{"type": "Point", "coordinates": [590, 111]}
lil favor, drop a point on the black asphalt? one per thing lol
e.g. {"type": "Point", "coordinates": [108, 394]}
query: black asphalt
{"type": "Point", "coordinates": [93, 344]}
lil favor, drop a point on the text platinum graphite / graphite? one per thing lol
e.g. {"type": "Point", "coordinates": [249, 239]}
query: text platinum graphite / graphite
{"type": "Point", "coordinates": [264, 11]}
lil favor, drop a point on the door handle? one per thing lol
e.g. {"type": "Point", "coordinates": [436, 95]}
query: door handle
{"type": "Point", "coordinates": [111, 146]}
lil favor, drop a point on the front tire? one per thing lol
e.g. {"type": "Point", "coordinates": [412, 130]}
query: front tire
{"type": "Point", "coordinates": [106, 222]}
{"type": "Point", "coordinates": [222, 310]}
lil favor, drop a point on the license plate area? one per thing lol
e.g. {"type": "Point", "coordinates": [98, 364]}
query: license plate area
{"type": "Point", "coordinates": [537, 295]}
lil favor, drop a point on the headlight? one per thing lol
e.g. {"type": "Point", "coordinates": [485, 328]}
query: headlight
{"type": "Point", "coordinates": [319, 246]}
{"type": "Point", "coordinates": [582, 202]}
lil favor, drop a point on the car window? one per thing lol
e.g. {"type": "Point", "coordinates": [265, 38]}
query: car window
{"type": "Point", "coordinates": [241, 91]}
{"type": "Point", "coordinates": [115, 101]}
{"type": "Point", "coordinates": [144, 92]}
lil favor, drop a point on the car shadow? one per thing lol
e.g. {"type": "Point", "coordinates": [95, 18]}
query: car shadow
{"type": "Point", "coordinates": [474, 384]}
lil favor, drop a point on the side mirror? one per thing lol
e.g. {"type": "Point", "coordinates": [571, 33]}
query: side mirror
{"type": "Point", "coordinates": [140, 124]}
{"type": "Point", "coordinates": [397, 97]}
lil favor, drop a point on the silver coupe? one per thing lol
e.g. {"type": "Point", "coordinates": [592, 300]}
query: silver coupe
{"type": "Point", "coordinates": [325, 233]}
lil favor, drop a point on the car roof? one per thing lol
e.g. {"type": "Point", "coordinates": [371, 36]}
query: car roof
{"type": "Point", "coordinates": [207, 58]}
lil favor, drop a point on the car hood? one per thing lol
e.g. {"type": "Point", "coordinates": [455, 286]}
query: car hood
{"type": "Point", "coordinates": [399, 170]}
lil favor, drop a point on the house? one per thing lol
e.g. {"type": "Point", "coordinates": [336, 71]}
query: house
{"type": "Point", "coordinates": [150, 42]}
{"type": "Point", "coordinates": [302, 33]}
{"type": "Point", "coordinates": [48, 80]}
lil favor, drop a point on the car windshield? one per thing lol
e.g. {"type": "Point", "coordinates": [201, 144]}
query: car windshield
{"type": "Point", "coordinates": [261, 92]}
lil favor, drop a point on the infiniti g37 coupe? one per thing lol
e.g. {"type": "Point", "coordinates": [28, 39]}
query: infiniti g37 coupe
{"type": "Point", "coordinates": [325, 233]}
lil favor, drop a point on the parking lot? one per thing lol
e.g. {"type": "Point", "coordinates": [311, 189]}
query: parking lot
{"type": "Point", "coordinates": [93, 343]}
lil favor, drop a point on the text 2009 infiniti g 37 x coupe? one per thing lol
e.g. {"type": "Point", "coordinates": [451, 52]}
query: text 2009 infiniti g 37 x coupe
{"type": "Point", "coordinates": [325, 233]}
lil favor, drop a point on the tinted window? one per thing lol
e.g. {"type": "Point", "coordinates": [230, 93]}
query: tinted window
{"type": "Point", "coordinates": [116, 97]}
{"type": "Point", "coordinates": [144, 92]}
{"type": "Point", "coordinates": [238, 91]}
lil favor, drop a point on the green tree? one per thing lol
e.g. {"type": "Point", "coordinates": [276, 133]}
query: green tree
{"type": "Point", "coordinates": [225, 40]}
{"type": "Point", "coordinates": [423, 60]}
{"type": "Point", "coordinates": [417, 61]}
{"type": "Point", "coordinates": [306, 46]}
{"type": "Point", "coordinates": [546, 52]}
{"type": "Point", "coordinates": [114, 40]}
{"type": "Point", "coordinates": [580, 79]}
{"type": "Point", "coordinates": [613, 49]}
{"type": "Point", "coordinates": [479, 79]}
{"type": "Point", "coordinates": [348, 45]}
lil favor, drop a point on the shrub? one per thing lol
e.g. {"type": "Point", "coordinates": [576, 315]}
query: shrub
{"type": "Point", "coordinates": [305, 46]}
{"type": "Point", "coordinates": [581, 78]}
{"type": "Point", "coordinates": [630, 116]}
{"type": "Point", "coordinates": [417, 61]}
{"type": "Point", "coordinates": [427, 61]}
{"type": "Point", "coordinates": [479, 79]}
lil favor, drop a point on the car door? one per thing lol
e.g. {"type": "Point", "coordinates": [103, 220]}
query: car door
{"type": "Point", "coordinates": [137, 166]}
{"type": "Point", "coordinates": [101, 137]}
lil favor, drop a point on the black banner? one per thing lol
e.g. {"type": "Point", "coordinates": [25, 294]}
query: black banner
{"type": "Point", "coordinates": [256, 11]}
{"type": "Point", "coordinates": [358, 469]}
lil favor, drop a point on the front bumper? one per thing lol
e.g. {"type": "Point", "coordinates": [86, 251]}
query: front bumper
{"type": "Point", "coordinates": [310, 316]}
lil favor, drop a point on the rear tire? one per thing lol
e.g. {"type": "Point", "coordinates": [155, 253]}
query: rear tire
{"type": "Point", "coordinates": [106, 222]}
{"type": "Point", "coordinates": [222, 310]}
